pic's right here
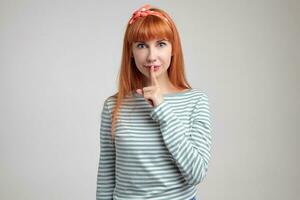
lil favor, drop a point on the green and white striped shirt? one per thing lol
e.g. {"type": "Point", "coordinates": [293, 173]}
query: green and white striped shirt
{"type": "Point", "coordinates": [160, 153]}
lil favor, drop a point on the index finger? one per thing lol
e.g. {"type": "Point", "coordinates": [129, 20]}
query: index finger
{"type": "Point", "coordinates": [153, 80]}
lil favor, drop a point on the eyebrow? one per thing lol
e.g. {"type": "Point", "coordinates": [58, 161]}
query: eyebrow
{"type": "Point", "coordinates": [156, 41]}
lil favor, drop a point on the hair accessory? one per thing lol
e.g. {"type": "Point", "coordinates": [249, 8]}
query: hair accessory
{"type": "Point", "coordinates": [144, 11]}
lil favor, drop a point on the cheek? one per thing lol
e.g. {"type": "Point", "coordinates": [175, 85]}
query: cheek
{"type": "Point", "coordinates": [168, 58]}
{"type": "Point", "coordinates": [168, 54]}
{"type": "Point", "coordinates": [139, 58]}
{"type": "Point", "coordinates": [138, 62]}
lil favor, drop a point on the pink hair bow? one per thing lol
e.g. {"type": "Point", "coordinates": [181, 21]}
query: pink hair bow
{"type": "Point", "coordinates": [144, 11]}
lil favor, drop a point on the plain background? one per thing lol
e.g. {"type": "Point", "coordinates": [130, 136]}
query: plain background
{"type": "Point", "coordinates": [59, 61]}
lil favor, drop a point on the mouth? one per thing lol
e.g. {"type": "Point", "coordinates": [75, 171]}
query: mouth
{"type": "Point", "coordinates": [156, 67]}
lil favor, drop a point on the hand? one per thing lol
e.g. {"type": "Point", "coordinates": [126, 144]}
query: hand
{"type": "Point", "coordinates": [152, 93]}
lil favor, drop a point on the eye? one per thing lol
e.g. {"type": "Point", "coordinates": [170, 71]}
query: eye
{"type": "Point", "coordinates": [161, 44]}
{"type": "Point", "coordinates": [140, 45]}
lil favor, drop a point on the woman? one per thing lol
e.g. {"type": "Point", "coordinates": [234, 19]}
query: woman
{"type": "Point", "coordinates": [155, 135]}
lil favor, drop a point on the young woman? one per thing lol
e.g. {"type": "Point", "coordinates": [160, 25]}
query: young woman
{"type": "Point", "coordinates": [155, 134]}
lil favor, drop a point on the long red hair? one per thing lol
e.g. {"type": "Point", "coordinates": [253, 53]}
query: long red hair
{"type": "Point", "coordinates": [130, 78]}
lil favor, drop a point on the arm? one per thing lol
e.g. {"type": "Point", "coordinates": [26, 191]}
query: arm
{"type": "Point", "coordinates": [106, 168]}
{"type": "Point", "coordinates": [191, 156]}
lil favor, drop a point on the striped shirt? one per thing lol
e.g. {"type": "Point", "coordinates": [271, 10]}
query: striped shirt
{"type": "Point", "coordinates": [160, 153]}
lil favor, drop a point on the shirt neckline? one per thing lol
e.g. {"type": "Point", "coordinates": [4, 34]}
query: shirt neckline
{"type": "Point", "coordinates": [169, 94]}
{"type": "Point", "coordinates": [178, 93]}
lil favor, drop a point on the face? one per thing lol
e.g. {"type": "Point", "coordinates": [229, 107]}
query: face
{"type": "Point", "coordinates": [155, 52]}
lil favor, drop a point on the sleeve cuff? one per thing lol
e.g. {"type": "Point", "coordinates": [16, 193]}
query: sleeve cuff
{"type": "Point", "coordinates": [160, 111]}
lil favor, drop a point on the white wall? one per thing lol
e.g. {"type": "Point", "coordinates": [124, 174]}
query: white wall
{"type": "Point", "coordinates": [59, 60]}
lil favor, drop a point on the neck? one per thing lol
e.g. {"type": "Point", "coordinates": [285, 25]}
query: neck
{"type": "Point", "coordinates": [164, 83]}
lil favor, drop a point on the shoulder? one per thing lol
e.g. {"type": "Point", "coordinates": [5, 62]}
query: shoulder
{"type": "Point", "coordinates": [108, 103]}
{"type": "Point", "coordinates": [110, 99]}
{"type": "Point", "coordinates": [202, 105]}
{"type": "Point", "coordinates": [199, 94]}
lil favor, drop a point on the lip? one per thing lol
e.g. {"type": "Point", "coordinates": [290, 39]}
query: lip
{"type": "Point", "coordinates": [156, 67]}
{"type": "Point", "coordinates": [148, 66]}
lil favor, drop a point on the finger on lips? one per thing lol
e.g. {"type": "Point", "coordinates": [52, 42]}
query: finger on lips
{"type": "Point", "coordinates": [153, 82]}
{"type": "Point", "coordinates": [152, 76]}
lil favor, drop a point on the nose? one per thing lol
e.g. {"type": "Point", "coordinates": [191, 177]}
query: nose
{"type": "Point", "coordinates": [151, 55]}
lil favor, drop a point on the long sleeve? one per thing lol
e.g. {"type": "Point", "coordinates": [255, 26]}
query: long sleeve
{"type": "Point", "coordinates": [189, 148]}
{"type": "Point", "coordinates": [106, 167]}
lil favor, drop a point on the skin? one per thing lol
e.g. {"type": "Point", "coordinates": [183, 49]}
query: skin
{"type": "Point", "coordinates": [157, 82]}
{"type": "Point", "coordinates": [152, 93]}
